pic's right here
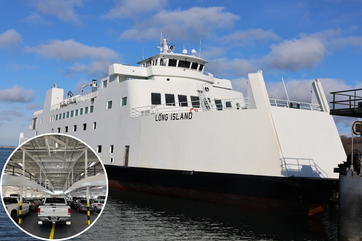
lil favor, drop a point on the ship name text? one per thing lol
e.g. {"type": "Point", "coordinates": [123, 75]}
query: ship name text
{"type": "Point", "coordinates": [173, 116]}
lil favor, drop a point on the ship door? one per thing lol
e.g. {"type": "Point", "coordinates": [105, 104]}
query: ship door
{"type": "Point", "coordinates": [126, 155]}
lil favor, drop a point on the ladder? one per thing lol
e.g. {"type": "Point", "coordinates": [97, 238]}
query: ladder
{"type": "Point", "coordinates": [204, 101]}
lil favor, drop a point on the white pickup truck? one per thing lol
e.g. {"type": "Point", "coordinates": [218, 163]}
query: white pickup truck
{"type": "Point", "coordinates": [54, 210]}
{"type": "Point", "coordinates": [12, 205]}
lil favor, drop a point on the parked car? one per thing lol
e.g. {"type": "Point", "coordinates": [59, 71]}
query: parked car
{"type": "Point", "coordinates": [34, 203]}
{"type": "Point", "coordinates": [12, 205]}
{"type": "Point", "coordinates": [81, 205]}
{"type": "Point", "coordinates": [98, 205]}
{"type": "Point", "coordinates": [54, 210]}
{"type": "Point", "coordinates": [72, 202]}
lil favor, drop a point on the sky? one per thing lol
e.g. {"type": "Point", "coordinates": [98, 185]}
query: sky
{"type": "Point", "coordinates": [71, 42]}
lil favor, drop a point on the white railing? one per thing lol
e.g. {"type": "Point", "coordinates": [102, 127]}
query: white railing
{"type": "Point", "coordinates": [301, 167]}
{"type": "Point", "coordinates": [195, 106]}
{"type": "Point", "coordinates": [74, 100]}
{"type": "Point", "coordinates": [295, 104]}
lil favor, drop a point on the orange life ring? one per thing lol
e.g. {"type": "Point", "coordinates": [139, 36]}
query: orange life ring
{"type": "Point", "coordinates": [193, 109]}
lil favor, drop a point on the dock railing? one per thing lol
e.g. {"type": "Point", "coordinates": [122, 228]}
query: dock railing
{"type": "Point", "coordinates": [347, 103]}
{"type": "Point", "coordinates": [301, 167]}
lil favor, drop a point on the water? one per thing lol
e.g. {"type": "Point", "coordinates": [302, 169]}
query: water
{"type": "Point", "coordinates": [131, 215]}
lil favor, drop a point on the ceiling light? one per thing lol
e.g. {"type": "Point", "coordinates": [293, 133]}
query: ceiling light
{"type": "Point", "coordinates": [20, 164]}
{"type": "Point", "coordinates": [92, 164]}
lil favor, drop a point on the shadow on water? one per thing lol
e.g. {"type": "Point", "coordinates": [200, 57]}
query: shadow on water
{"type": "Point", "coordinates": [131, 215]}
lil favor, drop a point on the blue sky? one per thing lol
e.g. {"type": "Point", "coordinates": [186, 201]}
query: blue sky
{"type": "Point", "coordinates": [72, 42]}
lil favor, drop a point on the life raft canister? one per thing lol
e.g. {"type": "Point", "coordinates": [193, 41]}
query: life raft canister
{"type": "Point", "coordinates": [193, 109]}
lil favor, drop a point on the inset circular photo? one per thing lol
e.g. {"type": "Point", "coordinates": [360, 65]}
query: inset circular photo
{"type": "Point", "coordinates": [54, 186]}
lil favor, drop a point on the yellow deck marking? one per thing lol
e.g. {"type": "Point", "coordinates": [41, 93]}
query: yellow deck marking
{"type": "Point", "coordinates": [52, 232]}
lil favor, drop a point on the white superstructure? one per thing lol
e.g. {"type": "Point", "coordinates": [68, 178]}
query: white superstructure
{"type": "Point", "coordinates": [168, 113]}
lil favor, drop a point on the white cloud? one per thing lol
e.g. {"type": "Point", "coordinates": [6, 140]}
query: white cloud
{"type": "Point", "coordinates": [8, 114]}
{"type": "Point", "coordinates": [10, 38]}
{"type": "Point", "coordinates": [16, 94]}
{"type": "Point", "coordinates": [33, 107]}
{"type": "Point", "coordinates": [130, 8]}
{"type": "Point", "coordinates": [194, 23]}
{"type": "Point", "coordinates": [229, 68]}
{"type": "Point", "coordinates": [62, 9]}
{"type": "Point", "coordinates": [36, 18]}
{"type": "Point", "coordinates": [69, 50]}
{"type": "Point", "coordinates": [296, 54]}
{"type": "Point", "coordinates": [96, 68]}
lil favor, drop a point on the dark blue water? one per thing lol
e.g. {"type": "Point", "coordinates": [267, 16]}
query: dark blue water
{"type": "Point", "coordinates": [137, 216]}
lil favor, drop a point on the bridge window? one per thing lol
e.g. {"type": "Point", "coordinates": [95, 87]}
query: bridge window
{"type": "Point", "coordinates": [228, 104]}
{"type": "Point", "coordinates": [194, 66]}
{"type": "Point", "coordinates": [184, 64]}
{"type": "Point", "coordinates": [91, 109]}
{"type": "Point", "coordinates": [172, 62]}
{"type": "Point", "coordinates": [201, 67]}
{"type": "Point", "coordinates": [104, 84]}
{"type": "Point", "coordinates": [72, 113]}
{"type": "Point", "coordinates": [76, 112]}
{"type": "Point", "coordinates": [170, 99]}
{"type": "Point", "coordinates": [81, 111]}
{"type": "Point", "coordinates": [182, 100]}
{"type": "Point", "coordinates": [163, 61]}
{"type": "Point", "coordinates": [155, 98]}
{"type": "Point", "coordinates": [86, 110]}
{"type": "Point", "coordinates": [195, 101]}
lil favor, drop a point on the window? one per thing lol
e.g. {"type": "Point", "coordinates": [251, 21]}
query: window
{"type": "Point", "coordinates": [109, 104]}
{"type": "Point", "coordinates": [72, 113]}
{"type": "Point", "coordinates": [66, 129]}
{"type": "Point", "coordinates": [111, 160]}
{"type": "Point", "coordinates": [155, 98]}
{"type": "Point", "coordinates": [94, 125]}
{"type": "Point", "coordinates": [86, 110]}
{"type": "Point", "coordinates": [184, 64]}
{"type": "Point", "coordinates": [84, 126]}
{"type": "Point", "coordinates": [195, 101]}
{"type": "Point", "coordinates": [170, 99]}
{"type": "Point", "coordinates": [99, 149]}
{"type": "Point", "coordinates": [172, 62]}
{"type": "Point", "coordinates": [201, 67]}
{"type": "Point", "coordinates": [68, 114]}
{"type": "Point", "coordinates": [124, 101]}
{"type": "Point", "coordinates": [218, 104]}
{"type": "Point", "coordinates": [56, 117]}
{"type": "Point", "coordinates": [76, 112]}
{"type": "Point", "coordinates": [104, 84]}
{"type": "Point", "coordinates": [75, 128]}
{"type": "Point", "coordinates": [58, 129]}
{"type": "Point", "coordinates": [81, 111]}
{"type": "Point", "coordinates": [60, 116]}
{"type": "Point", "coordinates": [163, 61]}
{"type": "Point", "coordinates": [91, 109]}
{"type": "Point", "coordinates": [182, 100]}
{"type": "Point", "coordinates": [194, 66]}
{"type": "Point", "coordinates": [228, 104]}
{"type": "Point", "coordinates": [155, 62]}
{"type": "Point", "coordinates": [64, 115]}
{"type": "Point", "coordinates": [111, 149]}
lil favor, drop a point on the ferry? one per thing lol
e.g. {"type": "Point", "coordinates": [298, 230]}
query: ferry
{"type": "Point", "coordinates": [167, 126]}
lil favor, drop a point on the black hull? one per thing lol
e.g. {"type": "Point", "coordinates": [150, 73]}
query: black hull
{"type": "Point", "coordinates": [296, 195]}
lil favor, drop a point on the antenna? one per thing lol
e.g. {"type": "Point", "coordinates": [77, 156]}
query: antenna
{"type": "Point", "coordinates": [143, 53]}
{"type": "Point", "coordinates": [200, 49]}
{"type": "Point", "coordinates": [285, 88]}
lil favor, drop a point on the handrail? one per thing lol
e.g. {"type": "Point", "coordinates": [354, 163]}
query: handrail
{"type": "Point", "coordinates": [74, 100]}
{"type": "Point", "coordinates": [236, 104]}
{"type": "Point", "coordinates": [300, 162]}
{"type": "Point", "coordinates": [295, 104]}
